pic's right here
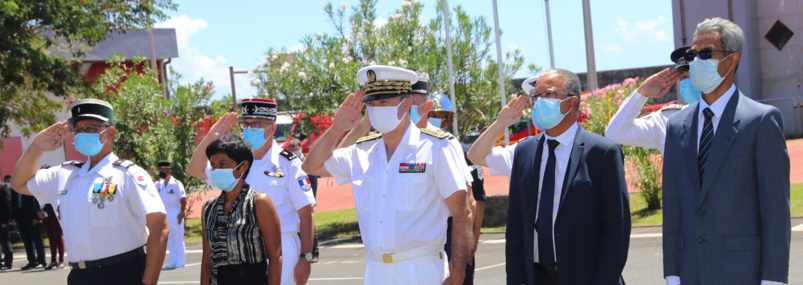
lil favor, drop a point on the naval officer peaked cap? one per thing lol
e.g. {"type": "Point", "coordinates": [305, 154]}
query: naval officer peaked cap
{"type": "Point", "coordinates": [164, 164]}
{"type": "Point", "coordinates": [383, 82]}
{"type": "Point", "coordinates": [529, 84]}
{"type": "Point", "coordinates": [679, 58]}
{"type": "Point", "coordinates": [258, 108]}
{"type": "Point", "coordinates": [91, 108]}
{"type": "Point", "coordinates": [422, 86]}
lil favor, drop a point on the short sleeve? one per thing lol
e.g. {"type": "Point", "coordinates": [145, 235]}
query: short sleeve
{"type": "Point", "coordinates": [45, 183]}
{"type": "Point", "coordinates": [340, 163]}
{"type": "Point", "coordinates": [140, 193]}
{"type": "Point", "coordinates": [181, 188]}
{"type": "Point", "coordinates": [500, 160]}
{"type": "Point", "coordinates": [299, 186]}
{"type": "Point", "coordinates": [447, 181]}
{"type": "Point", "coordinates": [455, 146]}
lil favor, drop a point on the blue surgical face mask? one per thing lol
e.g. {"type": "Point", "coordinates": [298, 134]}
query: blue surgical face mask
{"type": "Point", "coordinates": [224, 178]}
{"type": "Point", "coordinates": [546, 113]}
{"type": "Point", "coordinates": [254, 137]}
{"type": "Point", "coordinates": [88, 144]}
{"type": "Point", "coordinates": [414, 114]}
{"type": "Point", "coordinates": [688, 92]}
{"type": "Point", "coordinates": [704, 74]}
{"type": "Point", "coordinates": [435, 122]}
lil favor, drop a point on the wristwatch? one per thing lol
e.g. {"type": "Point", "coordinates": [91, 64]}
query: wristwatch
{"type": "Point", "coordinates": [307, 256]}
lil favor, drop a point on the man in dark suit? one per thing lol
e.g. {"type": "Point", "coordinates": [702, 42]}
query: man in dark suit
{"type": "Point", "coordinates": [568, 210]}
{"type": "Point", "coordinates": [25, 211]}
{"type": "Point", "coordinates": [5, 222]}
{"type": "Point", "coordinates": [726, 175]}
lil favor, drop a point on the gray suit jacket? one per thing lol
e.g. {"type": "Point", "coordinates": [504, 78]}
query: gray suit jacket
{"type": "Point", "coordinates": [734, 228]}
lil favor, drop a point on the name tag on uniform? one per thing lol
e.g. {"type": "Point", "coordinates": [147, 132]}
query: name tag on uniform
{"type": "Point", "coordinates": [412, 167]}
{"type": "Point", "coordinates": [61, 192]}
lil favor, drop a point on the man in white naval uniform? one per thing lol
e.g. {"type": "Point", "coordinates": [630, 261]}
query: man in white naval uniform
{"type": "Point", "coordinates": [175, 200]}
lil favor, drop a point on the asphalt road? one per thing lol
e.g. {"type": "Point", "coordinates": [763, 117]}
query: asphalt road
{"type": "Point", "coordinates": [343, 263]}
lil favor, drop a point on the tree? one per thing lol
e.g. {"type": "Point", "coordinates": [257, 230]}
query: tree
{"type": "Point", "coordinates": [32, 33]}
{"type": "Point", "coordinates": [317, 78]}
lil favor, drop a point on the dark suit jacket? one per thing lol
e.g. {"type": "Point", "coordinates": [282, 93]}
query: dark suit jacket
{"type": "Point", "coordinates": [5, 204]}
{"type": "Point", "coordinates": [735, 228]}
{"type": "Point", "coordinates": [592, 228]}
{"type": "Point", "coordinates": [28, 211]}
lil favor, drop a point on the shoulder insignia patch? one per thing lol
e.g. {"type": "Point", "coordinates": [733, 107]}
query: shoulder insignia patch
{"type": "Point", "coordinates": [124, 163]}
{"type": "Point", "coordinates": [673, 107]}
{"type": "Point", "coordinates": [74, 163]}
{"type": "Point", "coordinates": [437, 134]}
{"type": "Point", "coordinates": [288, 155]}
{"type": "Point", "coordinates": [137, 172]}
{"type": "Point", "coordinates": [369, 138]}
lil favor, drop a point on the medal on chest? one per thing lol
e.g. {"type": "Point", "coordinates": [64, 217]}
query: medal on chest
{"type": "Point", "coordinates": [412, 167]}
{"type": "Point", "coordinates": [277, 172]}
{"type": "Point", "coordinates": [101, 192]}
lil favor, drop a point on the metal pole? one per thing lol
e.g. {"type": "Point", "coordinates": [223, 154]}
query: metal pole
{"type": "Point", "coordinates": [592, 69]}
{"type": "Point", "coordinates": [451, 65]}
{"type": "Point", "coordinates": [500, 65]}
{"type": "Point", "coordinates": [233, 92]}
{"type": "Point", "coordinates": [153, 55]}
{"type": "Point", "coordinates": [549, 35]}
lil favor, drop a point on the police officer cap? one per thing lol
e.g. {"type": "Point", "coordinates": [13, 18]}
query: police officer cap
{"type": "Point", "coordinates": [258, 108]}
{"type": "Point", "coordinates": [382, 82]}
{"type": "Point", "coordinates": [422, 86]}
{"type": "Point", "coordinates": [91, 108]}
{"type": "Point", "coordinates": [164, 164]}
{"type": "Point", "coordinates": [441, 103]}
{"type": "Point", "coordinates": [679, 58]}
{"type": "Point", "coordinates": [529, 84]}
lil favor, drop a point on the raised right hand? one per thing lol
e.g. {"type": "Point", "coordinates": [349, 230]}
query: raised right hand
{"type": "Point", "coordinates": [348, 114]}
{"type": "Point", "coordinates": [659, 84]}
{"type": "Point", "coordinates": [224, 125]}
{"type": "Point", "coordinates": [512, 113]}
{"type": "Point", "coordinates": [51, 138]}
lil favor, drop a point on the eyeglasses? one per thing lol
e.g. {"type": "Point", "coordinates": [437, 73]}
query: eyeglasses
{"type": "Point", "coordinates": [255, 125]}
{"type": "Point", "coordinates": [548, 95]}
{"type": "Point", "coordinates": [89, 129]}
{"type": "Point", "coordinates": [705, 53]}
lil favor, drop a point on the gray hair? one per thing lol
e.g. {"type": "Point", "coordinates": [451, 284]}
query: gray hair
{"type": "Point", "coordinates": [572, 83]}
{"type": "Point", "coordinates": [730, 35]}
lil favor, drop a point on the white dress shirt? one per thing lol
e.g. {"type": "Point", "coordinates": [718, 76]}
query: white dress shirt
{"type": "Point", "coordinates": [399, 210]}
{"type": "Point", "coordinates": [91, 232]}
{"type": "Point", "coordinates": [458, 149]}
{"type": "Point", "coordinates": [171, 193]}
{"type": "Point", "coordinates": [562, 153]}
{"type": "Point", "coordinates": [500, 160]}
{"type": "Point", "coordinates": [649, 131]}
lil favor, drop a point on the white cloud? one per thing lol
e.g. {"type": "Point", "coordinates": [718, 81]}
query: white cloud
{"type": "Point", "coordinates": [613, 47]}
{"type": "Point", "coordinates": [297, 48]}
{"type": "Point", "coordinates": [379, 21]}
{"type": "Point", "coordinates": [193, 65]}
{"type": "Point", "coordinates": [655, 30]}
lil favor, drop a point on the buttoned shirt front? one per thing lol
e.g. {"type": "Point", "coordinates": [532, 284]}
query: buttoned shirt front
{"type": "Point", "coordinates": [718, 107]}
{"type": "Point", "coordinates": [284, 182]}
{"type": "Point", "coordinates": [648, 131]}
{"type": "Point", "coordinates": [93, 232]}
{"type": "Point", "coordinates": [171, 193]}
{"type": "Point", "coordinates": [401, 201]}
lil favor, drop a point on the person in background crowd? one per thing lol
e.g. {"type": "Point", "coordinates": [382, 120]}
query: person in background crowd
{"type": "Point", "coordinates": [25, 211]}
{"type": "Point", "coordinates": [295, 148]}
{"type": "Point", "coordinates": [5, 223]}
{"type": "Point", "coordinates": [175, 200]}
{"type": "Point", "coordinates": [53, 231]}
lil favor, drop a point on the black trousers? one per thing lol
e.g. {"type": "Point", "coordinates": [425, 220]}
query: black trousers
{"type": "Point", "coordinates": [244, 274]}
{"type": "Point", "coordinates": [544, 277]}
{"type": "Point", "coordinates": [313, 181]}
{"type": "Point", "coordinates": [128, 272]}
{"type": "Point", "coordinates": [469, 280]}
{"type": "Point", "coordinates": [32, 238]}
{"type": "Point", "coordinates": [5, 245]}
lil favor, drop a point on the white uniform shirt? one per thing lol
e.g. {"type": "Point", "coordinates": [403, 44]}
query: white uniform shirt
{"type": "Point", "coordinates": [648, 131]}
{"type": "Point", "coordinates": [500, 160]}
{"type": "Point", "coordinates": [400, 211]}
{"type": "Point", "coordinates": [90, 232]}
{"type": "Point", "coordinates": [458, 149]}
{"type": "Point", "coordinates": [288, 193]}
{"type": "Point", "coordinates": [171, 194]}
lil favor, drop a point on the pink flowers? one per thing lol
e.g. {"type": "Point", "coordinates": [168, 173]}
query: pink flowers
{"type": "Point", "coordinates": [367, 22]}
{"type": "Point", "coordinates": [408, 4]}
{"type": "Point", "coordinates": [343, 5]}
{"type": "Point", "coordinates": [255, 82]}
{"type": "Point", "coordinates": [207, 88]}
{"type": "Point", "coordinates": [302, 75]}
{"type": "Point", "coordinates": [331, 65]}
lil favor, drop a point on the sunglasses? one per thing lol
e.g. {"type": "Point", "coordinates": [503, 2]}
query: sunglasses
{"type": "Point", "coordinates": [89, 129]}
{"type": "Point", "coordinates": [705, 53]}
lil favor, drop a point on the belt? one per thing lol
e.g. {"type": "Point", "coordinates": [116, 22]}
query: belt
{"type": "Point", "coordinates": [108, 261]}
{"type": "Point", "coordinates": [403, 255]}
{"type": "Point", "coordinates": [551, 270]}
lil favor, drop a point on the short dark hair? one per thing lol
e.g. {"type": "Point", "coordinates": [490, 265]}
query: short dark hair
{"type": "Point", "coordinates": [234, 147]}
{"type": "Point", "coordinates": [7, 177]}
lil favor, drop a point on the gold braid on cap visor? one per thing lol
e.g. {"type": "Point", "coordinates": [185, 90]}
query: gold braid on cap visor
{"type": "Point", "coordinates": [386, 86]}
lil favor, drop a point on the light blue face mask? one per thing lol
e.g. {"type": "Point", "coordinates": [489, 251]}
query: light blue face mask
{"type": "Point", "coordinates": [224, 178]}
{"type": "Point", "coordinates": [88, 144]}
{"type": "Point", "coordinates": [414, 114]}
{"type": "Point", "coordinates": [254, 137]}
{"type": "Point", "coordinates": [704, 75]}
{"type": "Point", "coordinates": [435, 122]}
{"type": "Point", "coordinates": [546, 113]}
{"type": "Point", "coordinates": [688, 92]}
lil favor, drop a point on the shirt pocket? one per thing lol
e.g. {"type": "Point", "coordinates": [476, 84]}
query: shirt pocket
{"type": "Point", "coordinates": [275, 187]}
{"type": "Point", "coordinates": [362, 193]}
{"type": "Point", "coordinates": [411, 195]}
{"type": "Point", "coordinates": [105, 216]}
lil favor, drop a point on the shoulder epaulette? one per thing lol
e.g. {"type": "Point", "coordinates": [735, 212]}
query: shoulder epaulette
{"type": "Point", "coordinates": [673, 107]}
{"type": "Point", "coordinates": [124, 163]}
{"type": "Point", "coordinates": [369, 138]}
{"type": "Point", "coordinates": [288, 155]}
{"type": "Point", "coordinates": [437, 134]}
{"type": "Point", "coordinates": [523, 139]}
{"type": "Point", "coordinates": [75, 163]}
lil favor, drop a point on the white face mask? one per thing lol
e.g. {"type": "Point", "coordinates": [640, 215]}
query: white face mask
{"type": "Point", "coordinates": [704, 74]}
{"type": "Point", "coordinates": [385, 119]}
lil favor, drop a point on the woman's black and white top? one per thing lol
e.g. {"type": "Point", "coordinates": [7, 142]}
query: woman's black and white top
{"type": "Point", "coordinates": [234, 238]}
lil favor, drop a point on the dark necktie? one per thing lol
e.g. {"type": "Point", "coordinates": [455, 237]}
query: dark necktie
{"type": "Point", "coordinates": [705, 141]}
{"type": "Point", "coordinates": [546, 255]}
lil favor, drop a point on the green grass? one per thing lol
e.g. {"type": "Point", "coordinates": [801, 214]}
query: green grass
{"type": "Point", "coordinates": [797, 199]}
{"type": "Point", "coordinates": [192, 230]}
{"type": "Point", "coordinates": [337, 223]}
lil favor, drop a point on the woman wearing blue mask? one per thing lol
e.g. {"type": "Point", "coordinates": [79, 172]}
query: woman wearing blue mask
{"type": "Point", "coordinates": [241, 228]}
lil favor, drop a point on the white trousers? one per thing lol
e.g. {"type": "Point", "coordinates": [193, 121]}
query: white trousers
{"type": "Point", "coordinates": [291, 249]}
{"type": "Point", "coordinates": [424, 270]}
{"type": "Point", "coordinates": [175, 239]}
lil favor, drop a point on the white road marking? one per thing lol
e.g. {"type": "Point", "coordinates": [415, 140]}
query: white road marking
{"type": "Point", "coordinates": [192, 264]}
{"type": "Point", "coordinates": [489, 267]}
{"type": "Point", "coordinates": [798, 228]}
{"type": "Point", "coordinates": [494, 241]}
{"type": "Point", "coordinates": [653, 235]}
{"type": "Point", "coordinates": [333, 279]}
{"type": "Point", "coordinates": [357, 245]}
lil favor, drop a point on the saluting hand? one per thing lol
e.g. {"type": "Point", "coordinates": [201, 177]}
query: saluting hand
{"type": "Point", "coordinates": [659, 84]}
{"type": "Point", "coordinates": [512, 113]}
{"type": "Point", "coordinates": [348, 114]}
{"type": "Point", "coordinates": [50, 139]}
{"type": "Point", "coordinates": [224, 125]}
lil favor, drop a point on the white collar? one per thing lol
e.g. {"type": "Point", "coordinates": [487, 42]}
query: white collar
{"type": "Point", "coordinates": [719, 105]}
{"type": "Point", "coordinates": [566, 138]}
{"type": "Point", "coordinates": [109, 159]}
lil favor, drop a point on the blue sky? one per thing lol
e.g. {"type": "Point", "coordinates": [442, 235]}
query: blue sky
{"type": "Point", "coordinates": [213, 36]}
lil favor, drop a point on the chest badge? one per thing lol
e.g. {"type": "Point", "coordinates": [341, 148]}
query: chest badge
{"type": "Point", "coordinates": [277, 172]}
{"type": "Point", "coordinates": [103, 191]}
{"type": "Point", "coordinates": [412, 167]}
